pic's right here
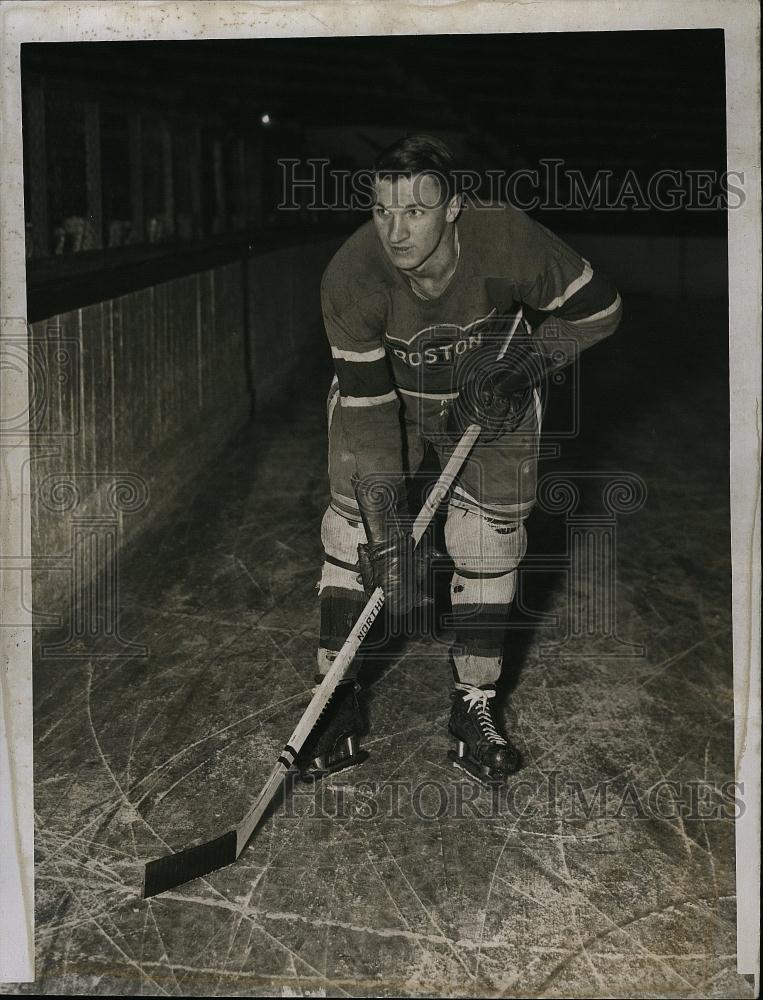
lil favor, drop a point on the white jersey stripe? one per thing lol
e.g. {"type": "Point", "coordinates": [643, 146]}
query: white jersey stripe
{"type": "Point", "coordinates": [388, 397]}
{"type": "Point", "coordinates": [602, 314]}
{"type": "Point", "coordinates": [429, 395]}
{"type": "Point", "coordinates": [377, 354]}
{"type": "Point", "coordinates": [571, 289]}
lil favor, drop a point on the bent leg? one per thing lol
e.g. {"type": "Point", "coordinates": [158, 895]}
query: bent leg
{"type": "Point", "coordinates": [342, 596]}
{"type": "Point", "coordinates": [486, 553]}
{"type": "Point", "coordinates": [341, 590]}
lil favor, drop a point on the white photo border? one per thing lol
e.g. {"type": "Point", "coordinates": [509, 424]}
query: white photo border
{"type": "Point", "coordinates": [125, 20]}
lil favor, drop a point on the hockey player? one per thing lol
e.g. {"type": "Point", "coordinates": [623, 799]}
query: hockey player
{"type": "Point", "coordinates": [416, 305]}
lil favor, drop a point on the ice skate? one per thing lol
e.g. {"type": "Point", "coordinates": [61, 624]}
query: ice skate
{"type": "Point", "coordinates": [480, 751]}
{"type": "Point", "coordinates": [334, 743]}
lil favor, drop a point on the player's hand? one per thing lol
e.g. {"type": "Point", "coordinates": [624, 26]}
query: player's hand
{"type": "Point", "coordinates": [389, 559]}
{"type": "Point", "coordinates": [394, 566]}
{"type": "Point", "coordinates": [494, 399]}
{"type": "Point", "coordinates": [402, 571]}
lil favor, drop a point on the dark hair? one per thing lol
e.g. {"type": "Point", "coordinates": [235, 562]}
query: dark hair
{"type": "Point", "coordinates": [419, 154]}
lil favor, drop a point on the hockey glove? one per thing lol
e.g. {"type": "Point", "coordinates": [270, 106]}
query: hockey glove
{"type": "Point", "coordinates": [388, 559]}
{"type": "Point", "coordinates": [496, 394]}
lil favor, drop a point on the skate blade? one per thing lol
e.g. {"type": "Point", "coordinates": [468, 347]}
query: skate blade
{"type": "Point", "coordinates": [310, 777]}
{"type": "Point", "coordinates": [475, 772]}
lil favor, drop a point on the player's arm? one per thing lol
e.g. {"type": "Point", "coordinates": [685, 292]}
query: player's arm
{"type": "Point", "coordinates": [576, 305]}
{"type": "Point", "coordinates": [370, 411]}
{"type": "Point", "coordinates": [572, 308]}
{"type": "Point", "coordinates": [370, 405]}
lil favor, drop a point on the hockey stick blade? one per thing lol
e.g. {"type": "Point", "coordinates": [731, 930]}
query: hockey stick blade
{"type": "Point", "coordinates": [193, 862]}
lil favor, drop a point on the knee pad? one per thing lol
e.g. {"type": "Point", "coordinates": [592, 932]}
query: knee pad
{"type": "Point", "coordinates": [340, 538]}
{"type": "Point", "coordinates": [340, 587]}
{"type": "Point", "coordinates": [482, 547]}
{"type": "Point", "coordinates": [478, 592]}
{"type": "Point", "coordinates": [486, 554]}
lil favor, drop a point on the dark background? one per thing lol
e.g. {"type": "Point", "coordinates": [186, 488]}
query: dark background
{"type": "Point", "coordinates": [638, 100]}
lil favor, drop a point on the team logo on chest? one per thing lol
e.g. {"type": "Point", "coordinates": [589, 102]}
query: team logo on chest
{"type": "Point", "coordinates": [442, 344]}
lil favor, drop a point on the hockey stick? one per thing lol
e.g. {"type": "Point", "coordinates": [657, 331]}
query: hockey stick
{"type": "Point", "coordinates": [193, 862]}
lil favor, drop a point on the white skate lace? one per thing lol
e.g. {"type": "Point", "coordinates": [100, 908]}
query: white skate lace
{"type": "Point", "coordinates": [478, 697]}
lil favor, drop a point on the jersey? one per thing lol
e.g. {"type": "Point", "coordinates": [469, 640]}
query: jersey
{"type": "Point", "coordinates": [390, 346]}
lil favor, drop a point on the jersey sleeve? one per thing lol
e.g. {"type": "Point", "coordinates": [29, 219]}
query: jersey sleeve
{"type": "Point", "coordinates": [370, 404]}
{"type": "Point", "coordinates": [577, 306]}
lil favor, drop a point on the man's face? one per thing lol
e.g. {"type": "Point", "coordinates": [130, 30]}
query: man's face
{"type": "Point", "coordinates": [410, 218]}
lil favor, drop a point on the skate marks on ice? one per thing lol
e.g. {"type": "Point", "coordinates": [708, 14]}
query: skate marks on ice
{"type": "Point", "coordinates": [383, 905]}
{"type": "Point", "coordinates": [134, 758]}
{"type": "Point", "coordinates": [400, 904]}
{"type": "Point", "coordinates": [610, 902]}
